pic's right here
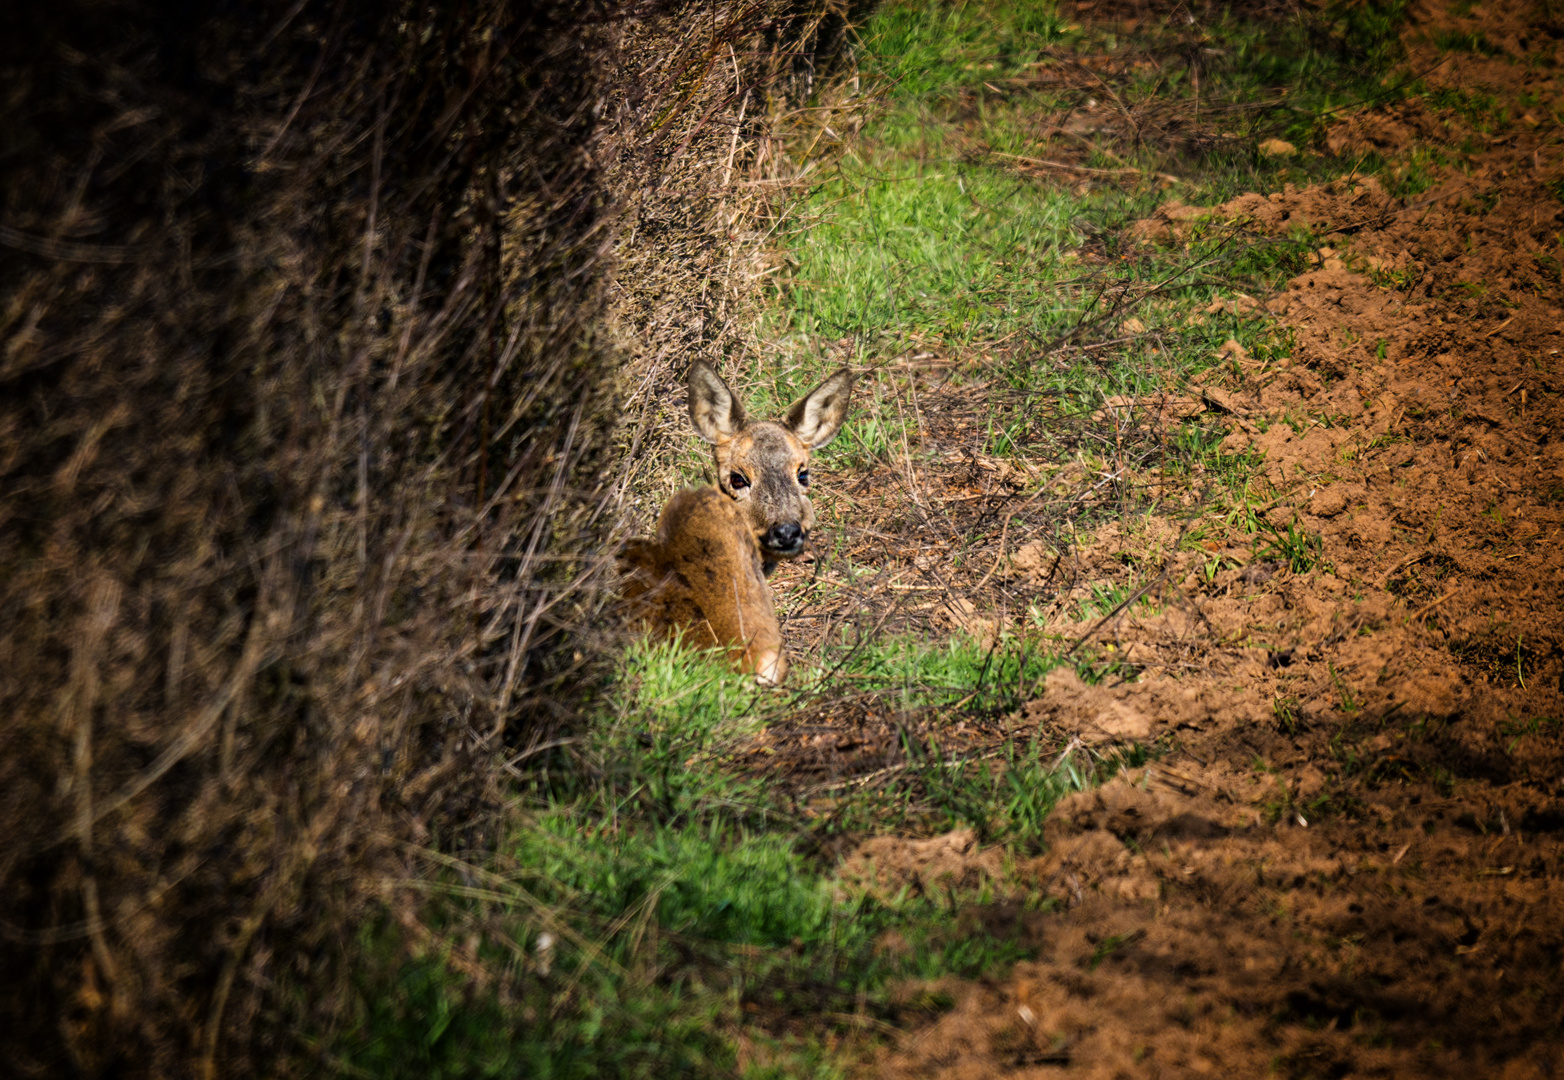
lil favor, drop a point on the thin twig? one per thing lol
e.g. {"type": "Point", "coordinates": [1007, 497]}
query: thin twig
{"type": "Point", "coordinates": [1426, 608]}
{"type": "Point", "coordinates": [1067, 167]}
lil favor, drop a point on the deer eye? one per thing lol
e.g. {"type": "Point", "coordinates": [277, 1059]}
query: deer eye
{"type": "Point", "coordinates": [803, 477]}
{"type": "Point", "coordinates": [738, 481]}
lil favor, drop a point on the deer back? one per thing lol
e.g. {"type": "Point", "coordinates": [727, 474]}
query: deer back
{"type": "Point", "coordinates": [703, 576]}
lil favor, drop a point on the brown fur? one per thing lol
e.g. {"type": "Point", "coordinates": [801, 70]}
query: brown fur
{"type": "Point", "coordinates": [704, 574]}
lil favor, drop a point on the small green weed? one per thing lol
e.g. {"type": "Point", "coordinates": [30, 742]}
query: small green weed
{"type": "Point", "coordinates": [1413, 173]}
{"type": "Point", "coordinates": [1349, 702]}
{"type": "Point", "coordinates": [1516, 729]}
{"type": "Point", "coordinates": [1008, 798]}
{"type": "Point", "coordinates": [1106, 598]}
{"type": "Point", "coordinates": [1283, 805]}
{"type": "Point", "coordinates": [1483, 111]}
{"type": "Point", "coordinates": [1107, 946]}
{"type": "Point", "coordinates": [1285, 708]}
{"type": "Point", "coordinates": [1400, 280]}
{"type": "Point", "coordinates": [1471, 41]}
{"type": "Point", "coordinates": [1300, 549]}
{"type": "Point", "coordinates": [1500, 657]}
{"type": "Point", "coordinates": [1199, 448]}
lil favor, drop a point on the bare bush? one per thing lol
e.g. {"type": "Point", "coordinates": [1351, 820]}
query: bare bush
{"type": "Point", "coordinates": [308, 402]}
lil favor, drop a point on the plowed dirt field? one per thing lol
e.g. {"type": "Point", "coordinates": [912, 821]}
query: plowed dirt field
{"type": "Point", "coordinates": [1351, 863]}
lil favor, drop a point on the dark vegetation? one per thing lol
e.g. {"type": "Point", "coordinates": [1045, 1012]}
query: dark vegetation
{"type": "Point", "coordinates": [306, 397]}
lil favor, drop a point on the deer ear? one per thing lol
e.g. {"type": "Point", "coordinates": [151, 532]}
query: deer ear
{"type": "Point", "coordinates": [818, 415]}
{"type": "Point", "coordinates": [714, 411]}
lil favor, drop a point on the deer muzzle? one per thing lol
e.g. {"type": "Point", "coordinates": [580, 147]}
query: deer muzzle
{"type": "Point", "coordinates": [785, 539]}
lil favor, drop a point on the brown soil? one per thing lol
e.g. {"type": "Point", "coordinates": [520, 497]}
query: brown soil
{"type": "Point", "coordinates": [1350, 862]}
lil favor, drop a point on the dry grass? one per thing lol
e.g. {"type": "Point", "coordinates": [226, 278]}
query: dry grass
{"type": "Point", "coordinates": [308, 398]}
{"type": "Point", "coordinates": [703, 251]}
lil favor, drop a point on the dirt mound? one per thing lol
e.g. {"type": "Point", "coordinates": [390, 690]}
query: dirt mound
{"type": "Point", "coordinates": [1133, 712]}
{"type": "Point", "coordinates": [1387, 952]}
{"type": "Point", "coordinates": [888, 866]}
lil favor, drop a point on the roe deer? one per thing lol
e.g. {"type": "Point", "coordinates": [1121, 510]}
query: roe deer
{"type": "Point", "coordinates": [705, 571]}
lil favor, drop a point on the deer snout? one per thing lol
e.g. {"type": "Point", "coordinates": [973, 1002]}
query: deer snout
{"type": "Point", "coordinates": [785, 538]}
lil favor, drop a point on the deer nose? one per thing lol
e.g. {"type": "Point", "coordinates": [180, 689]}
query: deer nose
{"type": "Point", "coordinates": [785, 538]}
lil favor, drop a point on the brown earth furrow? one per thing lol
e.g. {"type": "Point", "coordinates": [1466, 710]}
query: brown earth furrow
{"type": "Point", "coordinates": [1352, 864]}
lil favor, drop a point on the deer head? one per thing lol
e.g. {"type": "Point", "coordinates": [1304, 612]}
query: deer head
{"type": "Point", "coordinates": [764, 465]}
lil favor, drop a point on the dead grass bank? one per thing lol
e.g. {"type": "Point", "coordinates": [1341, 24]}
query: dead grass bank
{"type": "Point", "coordinates": [308, 397]}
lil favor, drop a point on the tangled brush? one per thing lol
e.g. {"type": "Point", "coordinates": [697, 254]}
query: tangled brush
{"type": "Point", "coordinates": [308, 394]}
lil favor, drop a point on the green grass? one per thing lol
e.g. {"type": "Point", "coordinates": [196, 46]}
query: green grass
{"type": "Point", "coordinates": [970, 255]}
{"type": "Point", "coordinates": [965, 253]}
{"type": "Point", "coordinates": [938, 49]}
{"type": "Point", "coordinates": [648, 903]}
{"type": "Point", "coordinates": [916, 672]}
{"type": "Point", "coordinates": [929, 232]}
{"type": "Point", "coordinates": [1300, 549]}
{"type": "Point", "coordinates": [926, 232]}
